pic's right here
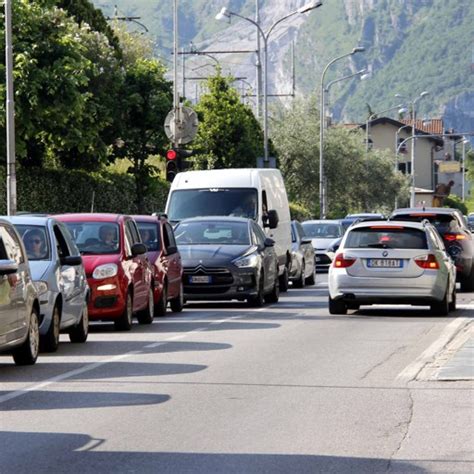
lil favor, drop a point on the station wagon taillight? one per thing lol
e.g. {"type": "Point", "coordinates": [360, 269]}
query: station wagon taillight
{"type": "Point", "coordinates": [427, 262]}
{"type": "Point", "coordinates": [343, 262]}
{"type": "Point", "coordinates": [452, 237]}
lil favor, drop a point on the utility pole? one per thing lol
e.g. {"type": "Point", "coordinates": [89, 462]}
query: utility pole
{"type": "Point", "coordinates": [183, 59]}
{"type": "Point", "coordinates": [175, 70]}
{"type": "Point", "coordinates": [10, 109]}
{"type": "Point", "coordinates": [258, 63]}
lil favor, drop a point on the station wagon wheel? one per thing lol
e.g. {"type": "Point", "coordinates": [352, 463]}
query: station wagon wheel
{"type": "Point", "coordinates": [337, 306]}
{"type": "Point", "coordinates": [146, 316]}
{"type": "Point", "coordinates": [27, 353]}
{"type": "Point", "coordinates": [299, 283]}
{"type": "Point", "coordinates": [311, 280]}
{"type": "Point", "coordinates": [50, 341]}
{"type": "Point", "coordinates": [80, 332]}
{"type": "Point", "coordinates": [441, 308]}
{"type": "Point", "coordinates": [177, 304]}
{"type": "Point", "coordinates": [124, 323]}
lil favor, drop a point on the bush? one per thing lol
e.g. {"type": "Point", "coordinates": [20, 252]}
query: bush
{"type": "Point", "coordinates": [58, 191]}
{"type": "Point", "coordinates": [299, 212]}
{"type": "Point", "coordinates": [456, 202]}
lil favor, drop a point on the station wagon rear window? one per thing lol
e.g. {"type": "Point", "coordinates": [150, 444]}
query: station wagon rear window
{"type": "Point", "coordinates": [386, 237]}
{"type": "Point", "coordinates": [442, 222]}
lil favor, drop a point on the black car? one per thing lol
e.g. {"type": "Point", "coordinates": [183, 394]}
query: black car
{"type": "Point", "coordinates": [457, 238]}
{"type": "Point", "coordinates": [227, 258]}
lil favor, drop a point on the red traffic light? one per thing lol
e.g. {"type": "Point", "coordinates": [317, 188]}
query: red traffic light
{"type": "Point", "coordinates": [171, 155]}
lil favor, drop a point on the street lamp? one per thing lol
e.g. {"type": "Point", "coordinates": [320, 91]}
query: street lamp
{"type": "Point", "coordinates": [401, 110]}
{"type": "Point", "coordinates": [362, 73]}
{"type": "Point", "coordinates": [225, 14]}
{"type": "Point", "coordinates": [322, 200]}
{"type": "Point", "coordinates": [464, 142]}
{"type": "Point", "coordinates": [413, 134]}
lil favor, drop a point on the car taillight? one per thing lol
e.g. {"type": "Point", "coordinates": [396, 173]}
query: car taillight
{"type": "Point", "coordinates": [343, 262]}
{"type": "Point", "coordinates": [428, 262]}
{"type": "Point", "coordinates": [453, 237]}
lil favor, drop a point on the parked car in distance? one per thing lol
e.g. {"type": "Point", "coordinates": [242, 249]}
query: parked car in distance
{"type": "Point", "coordinates": [117, 268]}
{"type": "Point", "coordinates": [353, 218]}
{"type": "Point", "coordinates": [59, 278]}
{"type": "Point", "coordinates": [19, 304]}
{"type": "Point", "coordinates": [322, 233]}
{"type": "Point", "coordinates": [303, 266]}
{"type": "Point", "coordinates": [158, 235]}
{"type": "Point", "coordinates": [457, 237]}
{"type": "Point", "coordinates": [227, 258]}
{"type": "Point", "coordinates": [470, 221]}
{"type": "Point", "coordinates": [392, 263]}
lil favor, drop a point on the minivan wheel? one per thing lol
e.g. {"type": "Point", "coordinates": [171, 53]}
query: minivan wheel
{"type": "Point", "coordinates": [80, 332]}
{"type": "Point", "coordinates": [50, 341]}
{"type": "Point", "coordinates": [27, 353]}
{"type": "Point", "coordinates": [441, 308]}
{"type": "Point", "coordinates": [177, 304]}
{"type": "Point", "coordinates": [284, 281]}
{"type": "Point", "coordinates": [124, 323]}
{"type": "Point", "coordinates": [160, 307]}
{"type": "Point", "coordinates": [337, 306]}
{"type": "Point", "coordinates": [146, 315]}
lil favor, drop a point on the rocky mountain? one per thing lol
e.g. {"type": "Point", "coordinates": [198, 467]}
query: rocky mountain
{"type": "Point", "coordinates": [411, 46]}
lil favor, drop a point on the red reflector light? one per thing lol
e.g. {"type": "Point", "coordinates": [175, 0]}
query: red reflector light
{"type": "Point", "coordinates": [171, 155]}
{"type": "Point", "coordinates": [343, 262]}
{"type": "Point", "coordinates": [425, 214]}
{"type": "Point", "coordinates": [427, 262]}
{"type": "Point", "coordinates": [387, 227]}
{"type": "Point", "coordinates": [453, 237]}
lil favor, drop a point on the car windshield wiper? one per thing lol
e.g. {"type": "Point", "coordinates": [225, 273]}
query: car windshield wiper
{"type": "Point", "coordinates": [379, 245]}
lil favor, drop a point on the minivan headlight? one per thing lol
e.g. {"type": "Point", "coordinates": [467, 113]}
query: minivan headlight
{"type": "Point", "coordinates": [41, 287]}
{"type": "Point", "coordinates": [107, 270]}
{"type": "Point", "coordinates": [246, 261]}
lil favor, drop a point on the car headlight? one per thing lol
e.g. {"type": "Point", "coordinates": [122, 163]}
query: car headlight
{"type": "Point", "coordinates": [41, 287]}
{"type": "Point", "coordinates": [107, 270]}
{"type": "Point", "coordinates": [250, 260]}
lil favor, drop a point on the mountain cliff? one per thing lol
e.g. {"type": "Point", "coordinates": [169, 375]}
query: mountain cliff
{"type": "Point", "coordinates": [411, 46]}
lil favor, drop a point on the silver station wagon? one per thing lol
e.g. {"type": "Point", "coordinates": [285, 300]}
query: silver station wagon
{"type": "Point", "coordinates": [392, 262]}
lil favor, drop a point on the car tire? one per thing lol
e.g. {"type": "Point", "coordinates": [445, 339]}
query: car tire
{"type": "Point", "coordinates": [177, 304]}
{"type": "Point", "coordinates": [337, 306]}
{"type": "Point", "coordinates": [160, 307]}
{"type": "Point", "coordinates": [27, 353]}
{"type": "Point", "coordinates": [146, 315]}
{"type": "Point", "coordinates": [299, 283]}
{"type": "Point", "coordinates": [49, 342]}
{"type": "Point", "coordinates": [283, 281]}
{"type": "Point", "coordinates": [440, 308]}
{"type": "Point", "coordinates": [79, 333]}
{"type": "Point", "coordinates": [354, 306]}
{"type": "Point", "coordinates": [124, 323]}
{"type": "Point", "coordinates": [274, 295]}
{"type": "Point", "coordinates": [452, 304]}
{"type": "Point", "coordinates": [467, 284]}
{"type": "Point", "coordinates": [258, 300]}
{"type": "Point", "coordinates": [311, 280]}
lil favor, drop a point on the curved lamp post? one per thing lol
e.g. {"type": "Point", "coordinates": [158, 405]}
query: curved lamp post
{"type": "Point", "coordinates": [225, 14]}
{"type": "Point", "coordinates": [322, 190]}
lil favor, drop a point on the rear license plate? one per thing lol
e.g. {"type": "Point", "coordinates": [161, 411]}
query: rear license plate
{"type": "Point", "coordinates": [200, 279]}
{"type": "Point", "coordinates": [384, 263]}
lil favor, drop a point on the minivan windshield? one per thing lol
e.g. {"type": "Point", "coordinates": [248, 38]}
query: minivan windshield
{"type": "Point", "coordinates": [322, 230]}
{"type": "Point", "coordinates": [237, 202]}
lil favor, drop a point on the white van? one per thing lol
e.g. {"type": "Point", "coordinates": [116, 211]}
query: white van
{"type": "Point", "coordinates": [257, 193]}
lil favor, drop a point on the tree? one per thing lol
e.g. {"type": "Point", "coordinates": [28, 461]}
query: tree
{"type": "Point", "coordinates": [229, 136]}
{"type": "Point", "coordinates": [146, 100]}
{"type": "Point", "coordinates": [357, 181]}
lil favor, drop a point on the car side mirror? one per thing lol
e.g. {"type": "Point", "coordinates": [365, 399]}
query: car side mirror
{"type": "Point", "coordinates": [273, 219]}
{"type": "Point", "coordinates": [269, 242]}
{"type": "Point", "coordinates": [72, 260]}
{"type": "Point", "coordinates": [171, 250]}
{"type": "Point", "coordinates": [8, 267]}
{"type": "Point", "coordinates": [138, 249]}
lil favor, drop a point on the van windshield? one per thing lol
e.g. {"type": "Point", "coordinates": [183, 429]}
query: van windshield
{"type": "Point", "coordinates": [238, 202]}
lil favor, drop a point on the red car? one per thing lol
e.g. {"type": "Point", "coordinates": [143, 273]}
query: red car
{"type": "Point", "coordinates": [117, 267]}
{"type": "Point", "coordinates": [157, 234]}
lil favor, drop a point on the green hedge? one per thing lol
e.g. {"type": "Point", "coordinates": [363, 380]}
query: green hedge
{"type": "Point", "coordinates": [58, 191]}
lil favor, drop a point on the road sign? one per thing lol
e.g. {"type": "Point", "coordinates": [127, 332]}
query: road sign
{"type": "Point", "coordinates": [181, 128]}
{"type": "Point", "coordinates": [449, 167]}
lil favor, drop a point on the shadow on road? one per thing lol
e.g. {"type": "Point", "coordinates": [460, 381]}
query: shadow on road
{"type": "Point", "coordinates": [59, 452]}
{"type": "Point", "coordinates": [54, 400]}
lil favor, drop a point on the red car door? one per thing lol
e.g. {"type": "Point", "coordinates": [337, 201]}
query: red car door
{"type": "Point", "coordinates": [173, 261]}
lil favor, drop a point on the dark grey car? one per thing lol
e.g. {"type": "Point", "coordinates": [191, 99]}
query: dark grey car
{"type": "Point", "coordinates": [227, 258]}
{"type": "Point", "coordinates": [19, 305]}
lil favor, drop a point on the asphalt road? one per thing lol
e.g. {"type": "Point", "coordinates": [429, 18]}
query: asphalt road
{"type": "Point", "coordinates": [222, 388]}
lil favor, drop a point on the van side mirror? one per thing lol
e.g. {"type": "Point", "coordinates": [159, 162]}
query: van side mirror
{"type": "Point", "coordinates": [272, 221]}
{"type": "Point", "coordinates": [8, 267]}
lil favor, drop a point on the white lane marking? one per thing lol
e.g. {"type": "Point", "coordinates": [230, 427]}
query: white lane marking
{"type": "Point", "coordinates": [413, 369]}
{"type": "Point", "coordinates": [95, 365]}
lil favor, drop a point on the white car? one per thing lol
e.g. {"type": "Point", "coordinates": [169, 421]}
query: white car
{"type": "Point", "coordinates": [392, 262]}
